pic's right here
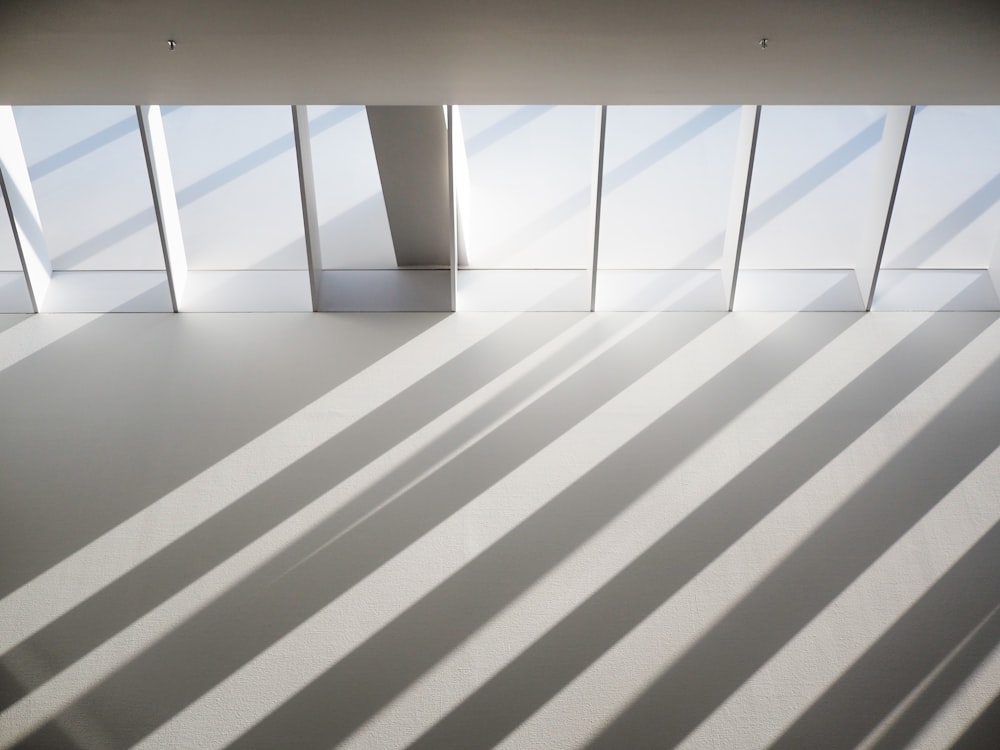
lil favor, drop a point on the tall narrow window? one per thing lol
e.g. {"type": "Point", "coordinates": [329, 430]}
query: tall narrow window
{"type": "Point", "coordinates": [942, 248]}
{"type": "Point", "coordinates": [813, 177]}
{"type": "Point", "coordinates": [90, 182]}
{"type": "Point", "coordinates": [668, 174]}
{"type": "Point", "coordinates": [363, 268]}
{"type": "Point", "coordinates": [236, 177]}
{"type": "Point", "coordinates": [529, 228]}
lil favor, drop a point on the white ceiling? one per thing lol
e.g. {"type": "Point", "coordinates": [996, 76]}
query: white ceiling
{"type": "Point", "coordinates": [518, 51]}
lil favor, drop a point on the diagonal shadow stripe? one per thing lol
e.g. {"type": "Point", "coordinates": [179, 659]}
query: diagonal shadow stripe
{"type": "Point", "coordinates": [65, 157]}
{"type": "Point", "coordinates": [960, 613]}
{"type": "Point", "coordinates": [659, 150]}
{"type": "Point", "coordinates": [615, 178]}
{"type": "Point", "coordinates": [260, 156]}
{"type": "Point", "coordinates": [949, 227]}
{"type": "Point", "coordinates": [711, 251]}
{"type": "Point", "coordinates": [982, 733]}
{"type": "Point", "coordinates": [608, 615]}
{"type": "Point", "coordinates": [139, 355]}
{"type": "Point", "coordinates": [909, 485]}
{"type": "Point", "coordinates": [399, 653]}
{"type": "Point", "coordinates": [956, 670]}
{"type": "Point", "coordinates": [708, 254]}
{"type": "Point", "coordinates": [206, 185]}
{"type": "Point", "coordinates": [169, 570]}
{"type": "Point", "coordinates": [54, 737]}
{"type": "Point", "coordinates": [145, 219]}
{"type": "Point", "coordinates": [504, 127]}
{"type": "Point", "coordinates": [314, 572]}
{"type": "Point", "coordinates": [770, 208]}
{"type": "Point", "coordinates": [9, 320]}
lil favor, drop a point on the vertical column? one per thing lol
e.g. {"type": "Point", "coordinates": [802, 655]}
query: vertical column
{"type": "Point", "coordinates": [411, 148]}
{"type": "Point", "coordinates": [597, 192]}
{"type": "Point", "coordinates": [892, 151]}
{"type": "Point", "coordinates": [161, 182]}
{"type": "Point", "coordinates": [452, 116]}
{"type": "Point", "coordinates": [459, 171]}
{"type": "Point", "coordinates": [742, 177]}
{"type": "Point", "coordinates": [22, 210]}
{"type": "Point", "coordinates": [307, 190]}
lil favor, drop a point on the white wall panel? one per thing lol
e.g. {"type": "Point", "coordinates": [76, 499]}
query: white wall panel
{"type": "Point", "coordinates": [812, 184]}
{"type": "Point", "coordinates": [667, 178]}
{"type": "Point", "coordinates": [354, 228]}
{"type": "Point", "coordinates": [89, 178]}
{"type": "Point", "coordinates": [237, 188]}
{"type": "Point", "coordinates": [947, 212]}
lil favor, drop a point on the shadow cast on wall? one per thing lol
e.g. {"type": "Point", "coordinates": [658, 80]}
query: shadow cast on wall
{"type": "Point", "coordinates": [574, 371]}
{"type": "Point", "coordinates": [159, 428]}
{"type": "Point", "coordinates": [736, 647]}
{"type": "Point", "coordinates": [365, 533]}
{"type": "Point", "coordinates": [861, 529]}
{"type": "Point", "coordinates": [192, 555]}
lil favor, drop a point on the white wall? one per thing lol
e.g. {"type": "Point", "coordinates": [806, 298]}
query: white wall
{"type": "Point", "coordinates": [528, 530]}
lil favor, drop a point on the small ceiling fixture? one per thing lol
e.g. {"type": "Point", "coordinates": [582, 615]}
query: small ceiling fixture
{"type": "Point", "coordinates": [171, 44]}
{"type": "Point", "coordinates": [763, 42]}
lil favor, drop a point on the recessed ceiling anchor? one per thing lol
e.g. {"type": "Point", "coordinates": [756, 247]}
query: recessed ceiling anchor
{"type": "Point", "coordinates": [171, 44]}
{"type": "Point", "coordinates": [763, 42]}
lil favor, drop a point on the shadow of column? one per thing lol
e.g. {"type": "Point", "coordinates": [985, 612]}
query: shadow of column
{"type": "Point", "coordinates": [399, 653]}
{"type": "Point", "coordinates": [569, 647]}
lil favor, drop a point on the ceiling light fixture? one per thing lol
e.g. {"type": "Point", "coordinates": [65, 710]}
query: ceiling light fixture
{"type": "Point", "coordinates": [763, 42]}
{"type": "Point", "coordinates": [171, 44]}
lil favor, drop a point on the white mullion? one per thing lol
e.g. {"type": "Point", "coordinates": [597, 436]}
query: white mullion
{"type": "Point", "coordinates": [22, 210]}
{"type": "Point", "coordinates": [892, 151]}
{"type": "Point", "coordinates": [742, 177]}
{"type": "Point", "coordinates": [452, 206]}
{"type": "Point", "coordinates": [161, 182]}
{"type": "Point", "coordinates": [596, 195]}
{"type": "Point", "coordinates": [307, 190]}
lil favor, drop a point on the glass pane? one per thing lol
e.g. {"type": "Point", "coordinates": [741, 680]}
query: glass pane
{"type": "Point", "coordinates": [90, 181]}
{"type": "Point", "coordinates": [947, 211]}
{"type": "Point", "coordinates": [237, 185]}
{"type": "Point", "coordinates": [668, 175]}
{"type": "Point", "coordinates": [812, 180]}
{"type": "Point", "coordinates": [354, 228]}
{"type": "Point", "coordinates": [529, 186]}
